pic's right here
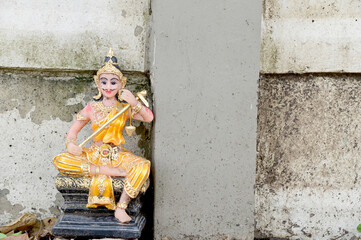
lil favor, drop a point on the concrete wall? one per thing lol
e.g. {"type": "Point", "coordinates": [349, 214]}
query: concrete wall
{"type": "Point", "coordinates": [205, 64]}
{"type": "Point", "coordinates": [308, 124]}
{"type": "Point", "coordinates": [37, 106]}
{"type": "Point", "coordinates": [73, 34]}
{"type": "Point", "coordinates": [311, 36]}
{"type": "Point", "coordinates": [36, 111]}
{"type": "Point", "coordinates": [204, 77]}
{"type": "Point", "coordinates": [308, 163]}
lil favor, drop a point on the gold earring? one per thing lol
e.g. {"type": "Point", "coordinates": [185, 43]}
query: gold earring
{"type": "Point", "coordinates": [119, 95]}
{"type": "Point", "coordinates": [99, 95]}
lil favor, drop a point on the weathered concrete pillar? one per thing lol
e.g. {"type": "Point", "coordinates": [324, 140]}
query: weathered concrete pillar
{"type": "Point", "coordinates": [309, 123]}
{"type": "Point", "coordinates": [205, 65]}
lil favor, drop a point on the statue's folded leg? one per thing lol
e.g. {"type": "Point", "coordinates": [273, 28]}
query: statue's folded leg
{"type": "Point", "coordinates": [72, 165]}
{"type": "Point", "coordinates": [138, 170]}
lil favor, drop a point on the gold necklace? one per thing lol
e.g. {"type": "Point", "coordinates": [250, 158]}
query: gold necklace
{"type": "Point", "coordinates": [101, 111]}
{"type": "Point", "coordinates": [101, 108]}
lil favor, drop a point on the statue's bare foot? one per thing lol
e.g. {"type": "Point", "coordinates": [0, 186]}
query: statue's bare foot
{"type": "Point", "coordinates": [121, 215]}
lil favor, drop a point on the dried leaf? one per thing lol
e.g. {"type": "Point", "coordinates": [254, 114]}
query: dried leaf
{"type": "Point", "coordinates": [36, 231]}
{"type": "Point", "coordinates": [48, 224]}
{"type": "Point", "coordinates": [23, 223]}
{"type": "Point", "coordinates": [19, 237]}
{"type": "Point", "coordinates": [15, 234]}
{"type": "Point", "coordinates": [42, 228]}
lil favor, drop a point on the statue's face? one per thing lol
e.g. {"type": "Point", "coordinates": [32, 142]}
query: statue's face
{"type": "Point", "coordinates": [109, 85]}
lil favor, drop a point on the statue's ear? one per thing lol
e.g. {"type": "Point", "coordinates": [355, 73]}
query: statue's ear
{"type": "Point", "coordinates": [124, 81]}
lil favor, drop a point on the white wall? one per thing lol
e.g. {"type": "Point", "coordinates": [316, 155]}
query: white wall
{"type": "Point", "coordinates": [311, 36]}
{"type": "Point", "coordinates": [73, 34]}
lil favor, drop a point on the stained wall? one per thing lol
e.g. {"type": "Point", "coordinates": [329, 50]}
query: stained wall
{"type": "Point", "coordinates": [308, 121]}
{"type": "Point", "coordinates": [73, 34]}
{"type": "Point", "coordinates": [310, 36]}
{"type": "Point", "coordinates": [36, 111]}
{"type": "Point", "coordinates": [204, 67]}
{"type": "Point", "coordinates": [49, 51]}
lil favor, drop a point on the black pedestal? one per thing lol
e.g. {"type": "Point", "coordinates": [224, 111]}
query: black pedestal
{"type": "Point", "coordinates": [78, 221]}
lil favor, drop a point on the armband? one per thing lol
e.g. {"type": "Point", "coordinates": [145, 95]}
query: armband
{"type": "Point", "coordinates": [81, 117]}
{"type": "Point", "coordinates": [136, 109]}
{"type": "Point", "coordinates": [70, 140]}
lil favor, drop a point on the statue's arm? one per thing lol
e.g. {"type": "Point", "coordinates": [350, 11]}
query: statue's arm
{"type": "Point", "coordinates": [83, 117]}
{"type": "Point", "coordinates": [144, 115]}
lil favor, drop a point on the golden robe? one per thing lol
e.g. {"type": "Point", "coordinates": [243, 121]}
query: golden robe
{"type": "Point", "coordinates": [111, 154]}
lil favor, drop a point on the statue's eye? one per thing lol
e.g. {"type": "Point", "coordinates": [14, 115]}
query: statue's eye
{"type": "Point", "coordinates": [113, 82]}
{"type": "Point", "coordinates": [104, 82]}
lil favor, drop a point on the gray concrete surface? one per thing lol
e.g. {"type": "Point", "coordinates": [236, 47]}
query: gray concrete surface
{"type": "Point", "coordinates": [309, 156]}
{"type": "Point", "coordinates": [73, 34]}
{"type": "Point", "coordinates": [204, 71]}
{"type": "Point", "coordinates": [308, 124]}
{"type": "Point", "coordinates": [311, 36]}
{"type": "Point", "coordinates": [37, 106]}
{"type": "Point", "coordinates": [36, 111]}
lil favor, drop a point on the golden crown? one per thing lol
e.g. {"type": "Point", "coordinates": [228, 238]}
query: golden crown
{"type": "Point", "coordinates": [110, 66]}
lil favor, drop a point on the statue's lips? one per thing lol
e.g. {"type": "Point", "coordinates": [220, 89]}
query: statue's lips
{"type": "Point", "coordinates": [108, 92]}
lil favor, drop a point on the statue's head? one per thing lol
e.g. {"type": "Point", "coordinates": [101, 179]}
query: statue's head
{"type": "Point", "coordinates": [110, 67]}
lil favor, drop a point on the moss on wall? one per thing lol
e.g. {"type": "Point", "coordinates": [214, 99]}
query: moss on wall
{"type": "Point", "coordinates": [48, 95]}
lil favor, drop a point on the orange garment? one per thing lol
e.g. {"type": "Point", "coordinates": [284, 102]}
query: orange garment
{"type": "Point", "coordinates": [101, 190]}
{"type": "Point", "coordinates": [114, 132]}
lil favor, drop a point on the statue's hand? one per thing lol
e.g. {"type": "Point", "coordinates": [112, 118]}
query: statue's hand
{"type": "Point", "coordinates": [122, 173]}
{"type": "Point", "coordinates": [74, 149]}
{"type": "Point", "coordinates": [113, 172]}
{"type": "Point", "coordinates": [129, 97]}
